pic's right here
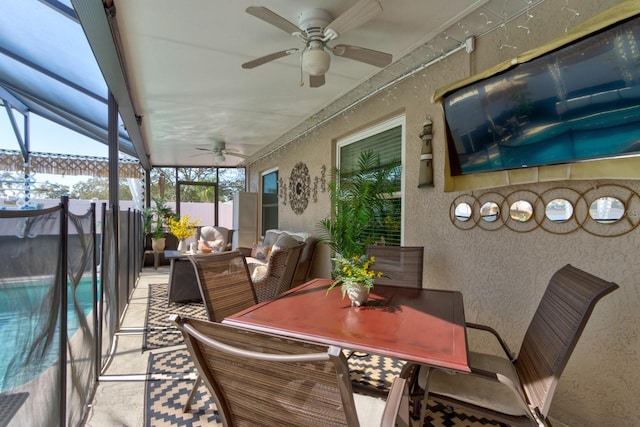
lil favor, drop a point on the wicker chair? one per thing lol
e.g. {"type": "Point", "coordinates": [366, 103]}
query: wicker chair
{"type": "Point", "coordinates": [266, 380]}
{"type": "Point", "coordinates": [278, 273]}
{"type": "Point", "coordinates": [226, 288]}
{"type": "Point", "coordinates": [519, 390]}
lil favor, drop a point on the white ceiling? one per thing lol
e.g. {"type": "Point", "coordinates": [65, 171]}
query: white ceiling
{"type": "Point", "coordinates": [183, 62]}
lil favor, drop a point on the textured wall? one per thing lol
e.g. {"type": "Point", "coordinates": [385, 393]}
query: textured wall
{"type": "Point", "coordinates": [501, 273]}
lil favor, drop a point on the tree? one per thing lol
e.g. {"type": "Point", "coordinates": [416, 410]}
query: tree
{"type": "Point", "coordinates": [13, 182]}
{"type": "Point", "coordinates": [97, 187]}
{"type": "Point", "coordinates": [231, 181]}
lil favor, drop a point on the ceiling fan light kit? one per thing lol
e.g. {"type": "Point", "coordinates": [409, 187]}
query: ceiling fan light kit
{"type": "Point", "coordinates": [316, 61]}
{"type": "Point", "coordinates": [315, 28]}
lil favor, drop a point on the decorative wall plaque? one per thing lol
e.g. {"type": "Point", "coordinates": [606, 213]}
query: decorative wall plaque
{"type": "Point", "coordinates": [299, 188]}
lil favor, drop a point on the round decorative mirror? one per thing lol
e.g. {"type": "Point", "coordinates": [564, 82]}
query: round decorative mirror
{"type": "Point", "coordinates": [462, 212]}
{"type": "Point", "coordinates": [606, 210]}
{"type": "Point", "coordinates": [521, 211]}
{"type": "Point", "coordinates": [490, 211]}
{"type": "Point", "coordinates": [559, 210]}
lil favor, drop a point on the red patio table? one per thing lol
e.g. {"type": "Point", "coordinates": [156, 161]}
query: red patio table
{"type": "Point", "coordinates": [425, 326]}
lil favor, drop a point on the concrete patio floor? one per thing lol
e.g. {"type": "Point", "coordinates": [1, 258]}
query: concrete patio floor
{"type": "Point", "coordinates": [120, 395]}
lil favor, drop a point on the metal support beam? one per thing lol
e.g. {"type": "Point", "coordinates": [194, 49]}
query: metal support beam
{"type": "Point", "coordinates": [15, 102]}
{"type": "Point", "coordinates": [114, 177]}
{"type": "Point", "coordinates": [97, 22]}
{"type": "Point", "coordinates": [23, 143]}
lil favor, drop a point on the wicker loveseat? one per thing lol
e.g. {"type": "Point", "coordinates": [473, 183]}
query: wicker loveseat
{"type": "Point", "coordinates": [258, 257]}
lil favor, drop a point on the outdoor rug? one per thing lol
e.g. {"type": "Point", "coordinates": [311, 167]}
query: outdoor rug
{"type": "Point", "coordinates": [172, 375]}
{"type": "Point", "coordinates": [159, 332]}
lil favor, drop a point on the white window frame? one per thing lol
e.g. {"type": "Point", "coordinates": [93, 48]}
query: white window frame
{"type": "Point", "coordinates": [376, 129]}
{"type": "Point", "coordinates": [262, 175]}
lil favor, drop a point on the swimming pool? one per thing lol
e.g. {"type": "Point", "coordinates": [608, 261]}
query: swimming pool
{"type": "Point", "coordinates": [17, 314]}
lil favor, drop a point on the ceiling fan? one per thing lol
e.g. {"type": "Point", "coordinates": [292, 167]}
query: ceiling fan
{"type": "Point", "coordinates": [316, 28]}
{"type": "Point", "coordinates": [219, 150]}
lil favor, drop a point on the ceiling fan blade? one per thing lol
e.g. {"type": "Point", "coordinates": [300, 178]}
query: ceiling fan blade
{"type": "Point", "coordinates": [273, 18]}
{"type": "Point", "coordinates": [234, 154]}
{"type": "Point", "coordinates": [203, 149]}
{"type": "Point", "coordinates": [316, 81]}
{"type": "Point", "coordinates": [361, 12]}
{"type": "Point", "coordinates": [362, 54]}
{"type": "Point", "coordinates": [268, 58]}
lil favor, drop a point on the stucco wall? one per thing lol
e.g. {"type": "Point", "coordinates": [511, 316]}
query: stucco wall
{"type": "Point", "coordinates": [501, 273]}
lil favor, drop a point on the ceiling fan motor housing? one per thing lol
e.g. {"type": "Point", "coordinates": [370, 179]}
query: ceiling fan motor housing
{"type": "Point", "coordinates": [313, 22]}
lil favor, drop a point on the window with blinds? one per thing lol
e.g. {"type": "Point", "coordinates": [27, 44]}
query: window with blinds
{"type": "Point", "coordinates": [269, 201]}
{"type": "Point", "coordinates": [387, 144]}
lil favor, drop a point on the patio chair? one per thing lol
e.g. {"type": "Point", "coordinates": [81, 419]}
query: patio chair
{"type": "Point", "coordinates": [226, 288]}
{"type": "Point", "coordinates": [401, 265]}
{"type": "Point", "coordinates": [519, 390]}
{"type": "Point", "coordinates": [276, 277]}
{"type": "Point", "coordinates": [261, 379]}
{"type": "Point", "coordinates": [216, 239]}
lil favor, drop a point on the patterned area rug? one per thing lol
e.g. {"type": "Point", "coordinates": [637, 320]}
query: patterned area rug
{"type": "Point", "coordinates": [159, 331]}
{"type": "Point", "coordinates": [172, 375]}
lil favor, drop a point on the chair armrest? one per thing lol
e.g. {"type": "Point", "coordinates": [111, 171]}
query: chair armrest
{"type": "Point", "coordinates": [492, 331]}
{"type": "Point", "coordinates": [397, 400]}
{"type": "Point", "coordinates": [246, 252]}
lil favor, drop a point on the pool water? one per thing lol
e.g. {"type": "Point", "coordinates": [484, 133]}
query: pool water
{"type": "Point", "coordinates": [18, 310]}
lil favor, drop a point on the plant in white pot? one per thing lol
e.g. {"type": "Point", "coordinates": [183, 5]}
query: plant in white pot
{"type": "Point", "coordinates": [155, 224]}
{"type": "Point", "coordinates": [358, 202]}
{"type": "Point", "coordinates": [183, 229]}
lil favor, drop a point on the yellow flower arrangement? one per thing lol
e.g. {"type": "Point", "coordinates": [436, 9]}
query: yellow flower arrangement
{"type": "Point", "coordinates": [182, 228]}
{"type": "Point", "coordinates": [356, 270]}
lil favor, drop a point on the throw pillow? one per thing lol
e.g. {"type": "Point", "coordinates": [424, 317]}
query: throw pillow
{"type": "Point", "coordinates": [258, 273]}
{"type": "Point", "coordinates": [260, 252]}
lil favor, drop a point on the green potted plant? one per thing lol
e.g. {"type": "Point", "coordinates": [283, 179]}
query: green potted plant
{"type": "Point", "coordinates": [358, 201]}
{"type": "Point", "coordinates": [158, 216]}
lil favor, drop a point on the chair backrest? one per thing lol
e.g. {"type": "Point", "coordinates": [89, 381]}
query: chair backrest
{"type": "Point", "coordinates": [401, 265]}
{"type": "Point", "coordinates": [260, 379]}
{"type": "Point", "coordinates": [280, 272]}
{"type": "Point", "coordinates": [307, 256]}
{"type": "Point", "coordinates": [216, 237]}
{"type": "Point", "coordinates": [224, 282]}
{"type": "Point", "coordinates": [555, 329]}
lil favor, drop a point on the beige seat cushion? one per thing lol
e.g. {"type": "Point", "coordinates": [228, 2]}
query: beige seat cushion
{"type": "Point", "coordinates": [284, 242]}
{"type": "Point", "coordinates": [476, 390]}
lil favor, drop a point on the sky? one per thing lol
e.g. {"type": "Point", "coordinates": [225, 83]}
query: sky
{"type": "Point", "coordinates": [49, 137]}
